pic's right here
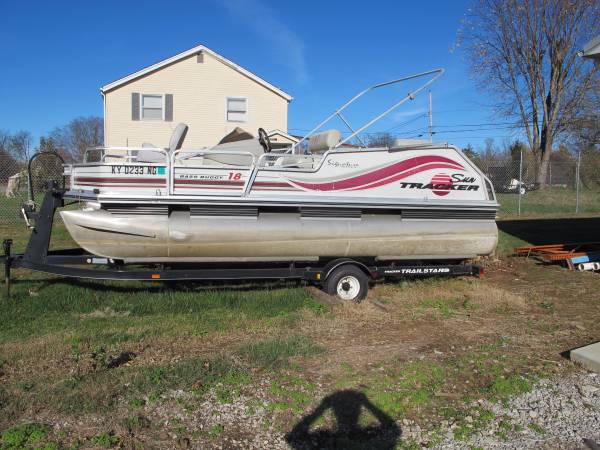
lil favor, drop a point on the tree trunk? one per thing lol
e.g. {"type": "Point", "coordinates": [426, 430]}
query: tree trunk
{"type": "Point", "coordinates": [545, 152]}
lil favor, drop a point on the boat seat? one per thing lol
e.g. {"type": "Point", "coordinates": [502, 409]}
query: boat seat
{"type": "Point", "coordinates": [175, 143]}
{"type": "Point", "coordinates": [218, 155]}
{"type": "Point", "coordinates": [294, 162]}
{"type": "Point", "coordinates": [323, 141]}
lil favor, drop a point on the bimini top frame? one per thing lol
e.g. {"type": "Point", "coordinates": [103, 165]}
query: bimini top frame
{"type": "Point", "coordinates": [354, 133]}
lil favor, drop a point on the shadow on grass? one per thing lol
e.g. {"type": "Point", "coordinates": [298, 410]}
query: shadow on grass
{"type": "Point", "coordinates": [127, 287]}
{"type": "Point", "coordinates": [347, 407]}
{"type": "Point", "coordinates": [553, 231]}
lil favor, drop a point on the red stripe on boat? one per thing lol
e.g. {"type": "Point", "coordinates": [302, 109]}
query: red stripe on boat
{"type": "Point", "coordinates": [210, 182]}
{"type": "Point", "coordinates": [379, 174]}
{"type": "Point", "coordinates": [405, 174]}
{"type": "Point", "coordinates": [118, 180]}
{"type": "Point", "coordinates": [271, 184]}
{"type": "Point", "coordinates": [110, 185]}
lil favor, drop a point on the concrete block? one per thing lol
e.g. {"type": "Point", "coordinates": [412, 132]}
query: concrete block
{"type": "Point", "coordinates": [588, 356]}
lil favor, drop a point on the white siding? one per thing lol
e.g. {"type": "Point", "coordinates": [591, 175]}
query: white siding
{"type": "Point", "coordinates": [200, 92]}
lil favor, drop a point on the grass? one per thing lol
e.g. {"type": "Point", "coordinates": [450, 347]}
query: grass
{"type": "Point", "coordinates": [444, 308]}
{"type": "Point", "coordinates": [291, 393]}
{"type": "Point", "coordinates": [10, 209]}
{"type": "Point", "coordinates": [276, 351]}
{"type": "Point", "coordinates": [88, 325]}
{"type": "Point", "coordinates": [549, 202]}
{"type": "Point", "coordinates": [503, 387]}
{"type": "Point", "coordinates": [536, 428]}
{"type": "Point", "coordinates": [471, 421]}
{"type": "Point", "coordinates": [106, 440]}
{"type": "Point", "coordinates": [112, 312]}
{"type": "Point", "coordinates": [26, 436]}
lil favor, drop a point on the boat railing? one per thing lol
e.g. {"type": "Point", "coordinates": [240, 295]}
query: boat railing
{"type": "Point", "coordinates": [122, 154]}
{"type": "Point", "coordinates": [189, 155]}
{"type": "Point", "coordinates": [354, 133]}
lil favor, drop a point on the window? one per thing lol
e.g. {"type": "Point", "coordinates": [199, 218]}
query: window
{"type": "Point", "coordinates": [152, 107]}
{"type": "Point", "coordinates": [237, 110]}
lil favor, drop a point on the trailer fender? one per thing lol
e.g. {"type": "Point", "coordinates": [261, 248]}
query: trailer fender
{"type": "Point", "coordinates": [332, 265]}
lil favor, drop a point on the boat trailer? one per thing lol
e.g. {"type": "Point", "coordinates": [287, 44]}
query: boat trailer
{"type": "Point", "coordinates": [346, 277]}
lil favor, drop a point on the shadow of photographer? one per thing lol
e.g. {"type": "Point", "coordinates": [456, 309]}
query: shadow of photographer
{"type": "Point", "coordinates": [347, 407]}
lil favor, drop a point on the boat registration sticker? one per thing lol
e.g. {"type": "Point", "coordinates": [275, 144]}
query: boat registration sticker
{"type": "Point", "coordinates": [138, 170]}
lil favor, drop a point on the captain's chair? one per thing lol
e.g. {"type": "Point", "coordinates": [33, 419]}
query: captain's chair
{"type": "Point", "coordinates": [175, 143]}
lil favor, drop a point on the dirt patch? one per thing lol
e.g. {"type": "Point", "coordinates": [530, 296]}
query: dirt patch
{"type": "Point", "coordinates": [520, 299]}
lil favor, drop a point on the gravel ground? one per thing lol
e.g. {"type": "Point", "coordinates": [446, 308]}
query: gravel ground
{"type": "Point", "coordinates": [557, 414]}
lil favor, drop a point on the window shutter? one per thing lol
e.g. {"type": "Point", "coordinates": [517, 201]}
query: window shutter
{"type": "Point", "coordinates": [168, 107]}
{"type": "Point", "coordinates": [135, 106]}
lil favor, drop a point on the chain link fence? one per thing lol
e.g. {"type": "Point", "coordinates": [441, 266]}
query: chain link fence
{"type": "Point", "coordinates": [572, 188]}
{"type": "Point", "coordinates": [15, 188]}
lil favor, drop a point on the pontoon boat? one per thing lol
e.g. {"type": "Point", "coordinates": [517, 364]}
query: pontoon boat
{"type": "Point", "coordinates": [322, 199]}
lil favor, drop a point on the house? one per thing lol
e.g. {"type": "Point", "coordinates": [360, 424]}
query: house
{"type": "Point", "coordinates": [281, 139]}
{"type": "Point", "coordinates": [200, 88]}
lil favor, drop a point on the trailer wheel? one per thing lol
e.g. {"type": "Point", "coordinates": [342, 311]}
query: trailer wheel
{"type": "Point", "coordinates": [348, 282]}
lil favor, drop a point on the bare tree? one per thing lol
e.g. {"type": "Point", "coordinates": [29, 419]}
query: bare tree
{"type": "Point", "coordinates": [585, 138]}
{"type": "Point", "coordinates": [8, 164]}
{"type": "Point", "coordinates": [16, 145]}
{"type": "Point", "coordinates": [489, 154]}
{"type": "Point", "coordinates": [380, 140]}
{"type": "Point", "coordinates": [78, 135]}
{"type": "Point", "coordinates": [526, 51]}
{"type": "Point", "coordinates": [4, 137]}
{"type": "Point", "coordinates": [585, 129]}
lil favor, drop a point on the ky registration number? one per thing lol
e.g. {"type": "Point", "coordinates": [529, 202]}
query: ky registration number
{"type": "Point", "coordinates": [137, 170]}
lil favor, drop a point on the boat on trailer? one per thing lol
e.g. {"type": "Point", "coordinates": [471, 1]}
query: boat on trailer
{"type": "Point", "coordinates": [329, 210]}
{"type": "Point", "coordinates": [240, 201]}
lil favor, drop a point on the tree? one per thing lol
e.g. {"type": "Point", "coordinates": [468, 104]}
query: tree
{"type": "Point", "coordinates": [526, 52]}
{"type": "Point", "coordinates": [47, 144]}
{"type": "Point", "coordinates": [16, 145]}
{"type": "Point", "coordinates": [470, 153]}
{"type": "Point", "coordinates": [78, 135]}
{"type": "Point", "coordinates": [4, 137]}
{"type": "Point", "coordinates": [517, 150]}
{"type": "Point", "coordinates": [488, 156]}
{"type": "Point", "coordinates": [380, 140]}
{"type": "Point", "coordinates": [585, 129]}
{"type": "Point", "coordinates": [8, 164]}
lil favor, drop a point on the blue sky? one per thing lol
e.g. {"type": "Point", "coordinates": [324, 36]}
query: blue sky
{"type": "Point", "coordinates": [54, 56]}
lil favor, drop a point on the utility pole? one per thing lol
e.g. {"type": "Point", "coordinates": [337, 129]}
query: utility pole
{"type": "Point", "coordinates": [430, 120]}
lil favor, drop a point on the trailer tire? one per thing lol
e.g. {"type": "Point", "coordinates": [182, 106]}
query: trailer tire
{"type": "Point", "coordinates": [347, 282]}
